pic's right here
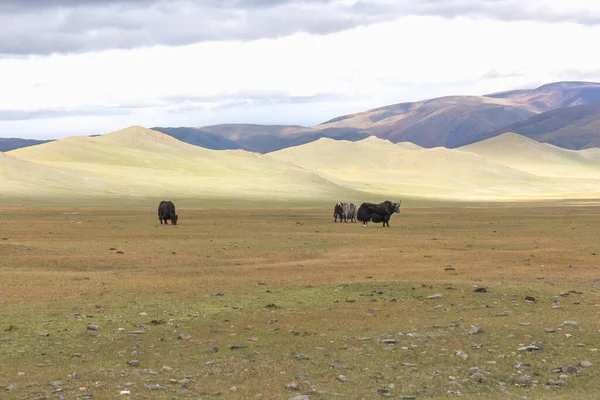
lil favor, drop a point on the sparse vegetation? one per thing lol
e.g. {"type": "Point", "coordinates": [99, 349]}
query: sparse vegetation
{"type": "Point", "coordinates": [101, 300]}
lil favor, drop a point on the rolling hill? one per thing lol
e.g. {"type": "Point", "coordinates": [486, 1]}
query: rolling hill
{"type": "Point", "coordinates": [379, 166]}
{"type": "Point", "coordinates": [543, 159]}
{"type": "Point", "coordinates": [142, 162]}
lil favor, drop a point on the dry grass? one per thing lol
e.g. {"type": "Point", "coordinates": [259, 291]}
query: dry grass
{"type": "Point", "coordinates": [336, 291]}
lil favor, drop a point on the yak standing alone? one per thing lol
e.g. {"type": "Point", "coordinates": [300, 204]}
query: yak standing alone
{"type": "Point", "coordinates": [345, 212]}
{"type": "Point", "coordinates": [377, 212]}
{"type": "Point", "coordinates": [166, 211]}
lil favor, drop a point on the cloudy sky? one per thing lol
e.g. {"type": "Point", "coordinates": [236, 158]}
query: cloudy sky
{"type": "Point", "coordinates": [71, 67]}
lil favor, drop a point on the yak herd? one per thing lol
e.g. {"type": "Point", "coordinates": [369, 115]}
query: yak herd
{"type": "Point", "coordinates": [366, 212]}
{"type": "Point", "coordinates": [344, 211]}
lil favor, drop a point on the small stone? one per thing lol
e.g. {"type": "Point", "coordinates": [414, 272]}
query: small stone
{"type": "Point", "coordinates": [481, 290]}
{"type": "Point", "coordinates": [302, 357]}
{"type": "Point", "coordinates": [550, 330]}
{"type": "Point", "coordinates": [341, 378]}
{"type": "Point", "coordinates": [523, 380]}
{"type": "Point", "coordinates": [476, 330]}
{"type": "Point", "coordinates": [531, 347]}
{"type": "Point", "coordinates": [133, 363]}
{"type": "Point", "coordinates": [155, 387]}
{"type": "Point", "coordinates": [434, 296]}
{"type": "Point", "coordinates": [571, 323]}
{"type": "Point", "coordinates": [525, 323]}
{"type": "Point", "coordinates": [585, 364]}
{"type": "Point", "coordinates": [184, 336]}
{"type": "Point", "coordinates": [293, 386]}
{"type": "Point", "coordinates": [219, 294]}
{"type": "Point", "coordinates": [213, 349]}
{"type": "Point", "coordinates": [10, 388]}
{"type": "Point", "coordinates": [237, 346]}
{"type": "Point", "coordinates": [388, 341]}
{"type": "Point", "coordinates": [385, 392]}
{"type": "Point", "coordinates": [530, 299]}
{"type": "Point", "coordinates": [93, 327]}
{"type": "Point", "coordinates": [478, 376]}
{"type": "Point", "coordinates": [566, 368]}
{"type": "Point", "coordinates": [301, 397]}
{"type": "Point", "coordinates": [461, 354]}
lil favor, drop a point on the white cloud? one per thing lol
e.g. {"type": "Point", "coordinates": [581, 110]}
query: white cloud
{"type": "Point", "coordinates": [407, 59]}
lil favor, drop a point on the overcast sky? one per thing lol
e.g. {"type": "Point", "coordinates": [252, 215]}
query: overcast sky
{"type": "Point", "coordinates": [70, 67]}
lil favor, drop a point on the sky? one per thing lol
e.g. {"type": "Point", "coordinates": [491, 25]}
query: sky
{"type": "Point", "coordinates": [69, 67]}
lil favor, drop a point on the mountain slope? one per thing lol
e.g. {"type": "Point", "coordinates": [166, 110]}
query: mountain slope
{"type": "Point", "coordinates": [553, 95]}
{"type": "Point", "coordinates": [575, 127]}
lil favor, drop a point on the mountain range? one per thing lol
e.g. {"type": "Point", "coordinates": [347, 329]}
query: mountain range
{"type": "Point", "coordinates": [565, 114]}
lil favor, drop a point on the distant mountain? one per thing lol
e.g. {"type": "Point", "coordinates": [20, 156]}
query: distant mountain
{"type": "Point", "coordinates": [200, 138]}
{"type": "Point", "coordinates": [459, 120]}
{"type": "Point", "coordinates": [446, 121]}
{"type": "Point", "coordinates": [553, 95]}
{"type": "Point", "coordinates": [8, 144]}
{"type": "Point", "coordinates": [555, 113]}
{"type": "Point", "coordinates": [257, 138]}
{"type": "Point", "coordinates": [576, 127]}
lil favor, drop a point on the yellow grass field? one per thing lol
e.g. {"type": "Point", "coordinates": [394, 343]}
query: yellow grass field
{"type": "Point", "coordinates": [261, 303]}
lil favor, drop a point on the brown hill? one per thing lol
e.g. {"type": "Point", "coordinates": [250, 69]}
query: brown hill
{"type": "Point", "coordinates": [553, 95]}
{"type": "Point", "coordinates": [447, 121]}
{"type": "Point", "coordinates": [576, 127]}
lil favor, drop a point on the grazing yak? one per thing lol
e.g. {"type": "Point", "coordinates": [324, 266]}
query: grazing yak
{"type": "Point", "coordinates": [338, 212]}
{"type": "Point", "coordinates": [345, 212]}
{"type": "Point", "coordinates": [166, 211]}
{"type": "Point", "coordinates": [377, 212]}
{"type": "Point", "coordinates": [349, 212]}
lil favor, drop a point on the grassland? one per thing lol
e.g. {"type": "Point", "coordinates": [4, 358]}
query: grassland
{"type": "Point", "coordinates": [338, 309]}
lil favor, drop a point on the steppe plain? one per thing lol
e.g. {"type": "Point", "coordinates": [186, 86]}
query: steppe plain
{"type": "Point", "coordinates": [257, 293]}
